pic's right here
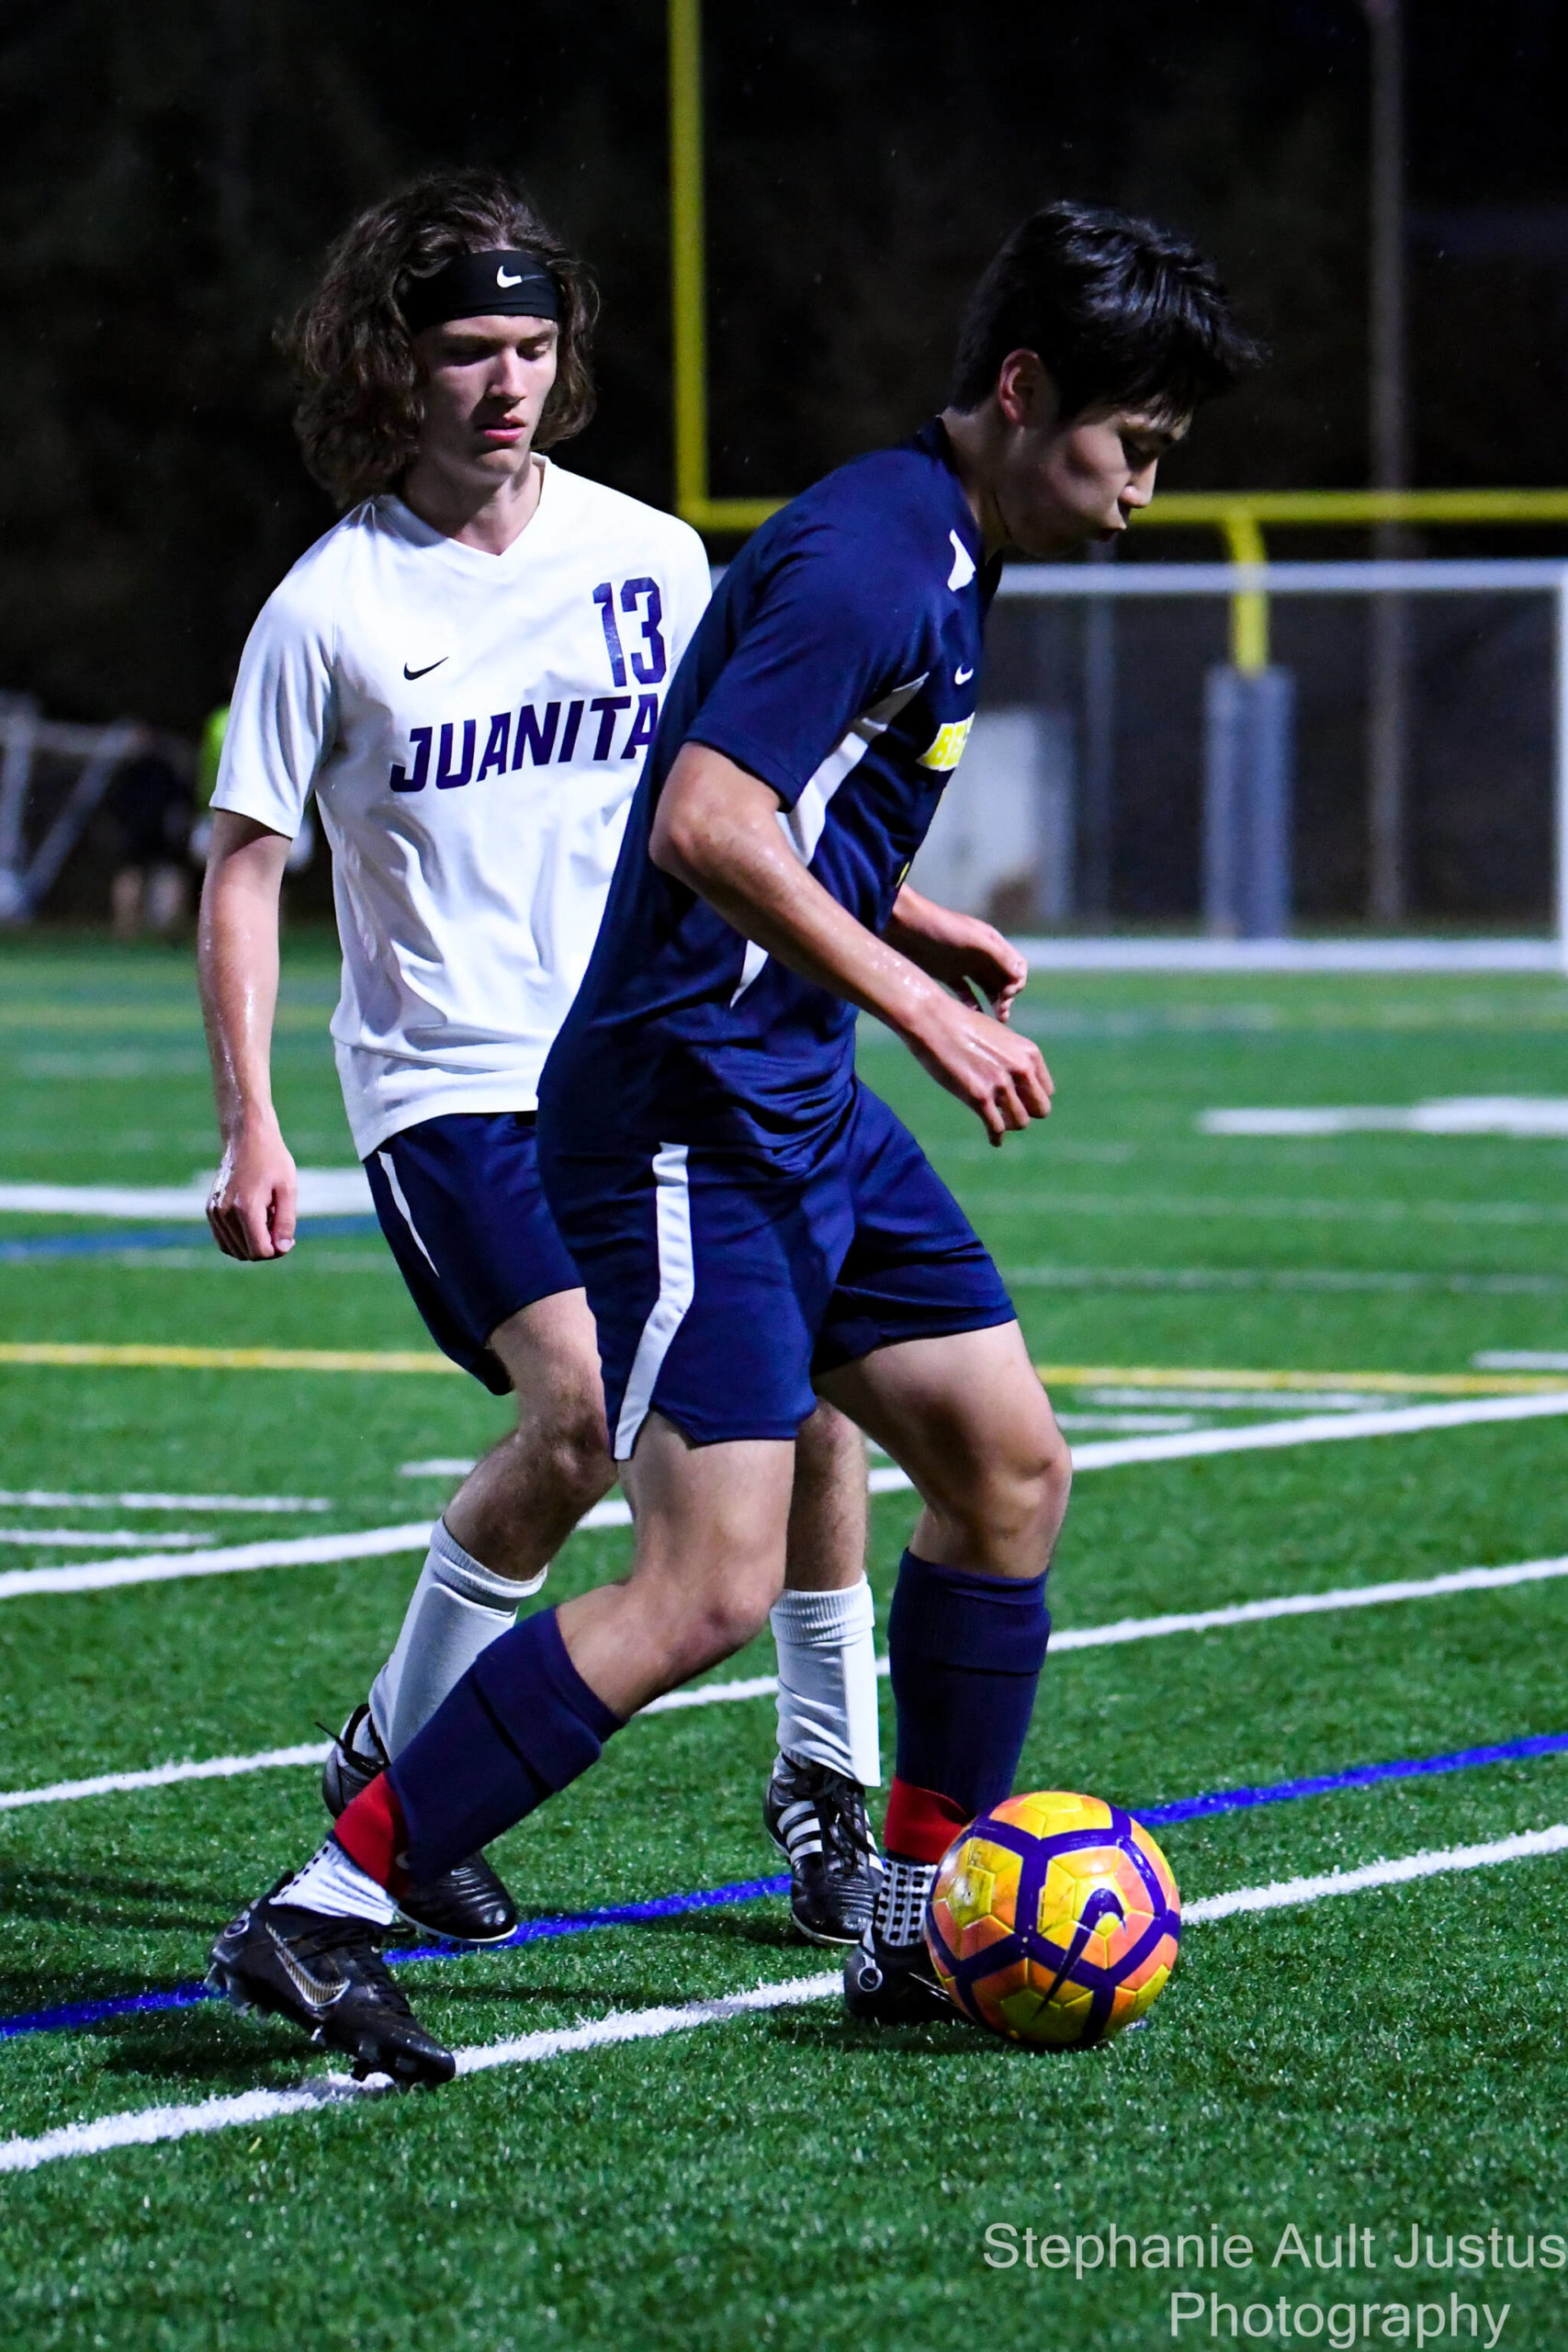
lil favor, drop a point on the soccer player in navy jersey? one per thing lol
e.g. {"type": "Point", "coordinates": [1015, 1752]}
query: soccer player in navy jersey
{"type": "Point", "coordinates": [754, 1227]}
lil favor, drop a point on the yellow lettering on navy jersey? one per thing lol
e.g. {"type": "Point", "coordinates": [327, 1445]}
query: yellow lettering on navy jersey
{"type": "Point", "coordinates": [947, 749]}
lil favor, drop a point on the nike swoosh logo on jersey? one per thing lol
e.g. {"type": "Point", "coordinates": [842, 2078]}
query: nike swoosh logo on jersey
{"type": "Point", "coordinates": [502, 280]}
{"type": "Point", "coordinates": [427, 669]}
{"type": "Point", "coordinates": [962, 677]}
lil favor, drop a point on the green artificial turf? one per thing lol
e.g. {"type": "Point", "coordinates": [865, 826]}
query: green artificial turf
{"type": "Point", "coordinates": [1385, 2060]}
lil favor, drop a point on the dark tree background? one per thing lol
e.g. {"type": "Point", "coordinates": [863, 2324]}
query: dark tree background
{"type": "Point", "coordinates": [170, 172]}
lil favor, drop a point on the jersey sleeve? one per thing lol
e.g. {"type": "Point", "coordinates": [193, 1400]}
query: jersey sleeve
{"type": "Point", "coordinates": [832, 628]}
{"type": "Point", "coordinates": [283, 716]}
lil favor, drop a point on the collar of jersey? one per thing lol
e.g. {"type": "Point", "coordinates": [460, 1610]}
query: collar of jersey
{"type": "Point", "coordinates": [475, 561]}
{"type": "Point", "coordinates": [932, 441]}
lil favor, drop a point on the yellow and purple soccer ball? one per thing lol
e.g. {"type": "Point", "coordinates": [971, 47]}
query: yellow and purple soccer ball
{"type": "Point", "coordinates": [1055, 1920]}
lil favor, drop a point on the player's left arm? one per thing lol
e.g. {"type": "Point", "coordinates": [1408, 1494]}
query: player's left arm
{"type": "Point", "coordinates": [716, 829]}
{"type": "Point", "coordinates": [958, 950]}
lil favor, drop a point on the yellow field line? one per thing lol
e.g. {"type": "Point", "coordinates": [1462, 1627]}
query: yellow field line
{"type": "Point", "coordinates": [138, 1356]}
{"type": "Point", "coordinates": [1375, 1383]}
{"type": "Point", "coordinates": [141, 1355]}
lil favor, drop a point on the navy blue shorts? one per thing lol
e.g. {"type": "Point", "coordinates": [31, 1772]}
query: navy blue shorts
{"type": "Point", "coordinates": [464, 1214]}
{"type": "Point", "coordinates": [721, 1284]}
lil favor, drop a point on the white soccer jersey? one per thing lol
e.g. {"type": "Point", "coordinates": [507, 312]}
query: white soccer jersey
{"type": "Point", "coordinates": [473, 726]}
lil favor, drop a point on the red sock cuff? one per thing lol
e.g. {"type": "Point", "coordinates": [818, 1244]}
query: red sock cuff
{"type": "Point", "coordinates": [372, 1832]}
{"type": "Point", "coordinates": [921, 1823]}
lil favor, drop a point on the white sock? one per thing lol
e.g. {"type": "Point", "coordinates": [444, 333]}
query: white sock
{"type": "Point", "coordinates": [334, 1882]}
{"type": "Point", "coordinates": [459, 1608]}
{"type": "Point", "coordinates": [827, 1680]}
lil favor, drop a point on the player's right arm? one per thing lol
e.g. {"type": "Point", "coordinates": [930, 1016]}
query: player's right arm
{"type": "Point", "coordinates": [282, 719]}
{"type": "Point", "coordinates": [716, 829]}
{"type": "Point", "coordinates": [252, 1206]}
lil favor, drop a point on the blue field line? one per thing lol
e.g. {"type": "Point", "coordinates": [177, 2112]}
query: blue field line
{"type": "Point", "coordinates": [161, 1237]}
{"type": "Point", "coordinates": [532, 1931]}
{"type": "Point", "coordinates": [1359, 1776]}
{"type": "Point", "coordinates": [751, 1890]}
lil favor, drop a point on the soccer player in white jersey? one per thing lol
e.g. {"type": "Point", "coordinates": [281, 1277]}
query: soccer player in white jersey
{"type": "Point", "coordinates": [465, 673]}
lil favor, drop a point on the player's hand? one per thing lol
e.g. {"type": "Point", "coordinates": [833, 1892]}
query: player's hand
{"type": "Point", "coordinates": [250, 1208]}
{"type": "Point", "coordinates": [1001, 1075]}
{"type": "Point", "coordinates": [958, 950]}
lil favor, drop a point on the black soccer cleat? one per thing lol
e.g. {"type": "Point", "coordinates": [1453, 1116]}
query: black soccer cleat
{"type": "Point", "coordinates": [817, 1818]}
{"type": "Point", "coordinates": [888, 1977]}
{"type": "Point", "coordinates": [327, 1975]}
{"type": "Point", "coordinates": [467, 1904]}
{"type": "Point", "coordinates": [894, 1984]}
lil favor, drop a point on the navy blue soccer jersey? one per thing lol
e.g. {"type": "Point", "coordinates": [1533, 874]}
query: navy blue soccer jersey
{"type": "Point", "coordinates": [839, 662]}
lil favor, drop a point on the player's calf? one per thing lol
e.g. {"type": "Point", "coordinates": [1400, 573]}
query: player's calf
{"type": "Point", "coordinates": [469, 1903]}
{"type": "Point", "coordinates": [519, 1504]}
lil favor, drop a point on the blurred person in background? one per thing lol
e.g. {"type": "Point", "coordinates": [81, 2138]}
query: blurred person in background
{"type": "Point", "coordinates": [149, 803]}
{"type": "Point", "coordinates": [208, 760]}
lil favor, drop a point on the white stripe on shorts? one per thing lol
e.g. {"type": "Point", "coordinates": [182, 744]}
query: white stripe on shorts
{"type": "Point", "coordinates": [399, 1195]}
{"type": "Point", "coordinates": [677, 1287]}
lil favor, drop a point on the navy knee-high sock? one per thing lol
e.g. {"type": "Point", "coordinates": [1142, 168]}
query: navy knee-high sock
{"type": "Point", "coordinates": [519, 1724]}
{"type": "Point", "coordinates": [964, 1655]}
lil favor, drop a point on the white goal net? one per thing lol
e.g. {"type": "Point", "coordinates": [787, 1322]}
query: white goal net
{"type": "Point", "coordinates": [1110, 781]}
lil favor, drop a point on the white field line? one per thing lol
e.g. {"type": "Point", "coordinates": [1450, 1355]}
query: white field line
{"type": "Point", "coordinates": [1273, 1208]}
{"type": "Point", "coordinates": [1319, 1429]}
{"type": "Point", "coordinates": [1248, 1400]}
{"type": "Point", "coordinates": [324, 1192]}
{"type": "Point", "coordinates": [1308, 1604]}
{"type": "Point", "coordinates": [764, 1686]}
{"type": "Point", "coordinates": [1195, 1621]}
{"type": "Point", "coordinates": [148, 2126]}
{"type": "Point", "coordinates": [1069, 1423]}
{"type": "Point", "coordinates": [44, 1498]}
{"type": "Point", "coordinates": [84, 1538]}
{"type": "Point", "coordinates": [1430, 1863]}
{"type": "Point", "coordinates": [163, 1776]}
{"type": "Point", "coordinates": [1108, 1454]}
{"type": "Point", "coordinates": [1520, 1117]}
{"type": "Point", "coordinates": [718, 1694]}
{"type": "Point", "coordinates": [229, 1559]}
{"type": "Point", "coordinates": [1318, 955]}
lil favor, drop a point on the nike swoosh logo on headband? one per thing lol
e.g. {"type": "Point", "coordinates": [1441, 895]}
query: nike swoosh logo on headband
{"type": "Point", "coordinates": [502, 280]}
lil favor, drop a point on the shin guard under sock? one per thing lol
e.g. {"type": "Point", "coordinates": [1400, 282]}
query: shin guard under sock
{"type": "Point", "coordinates": [965, 1656]}
{"type": "Point", "coordinates": [519, 1724]}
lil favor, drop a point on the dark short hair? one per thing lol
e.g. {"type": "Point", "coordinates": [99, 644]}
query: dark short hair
{"type": "Point", "coordinates": [361, 389]}
{"type": "Point", "coordinates": [1120, 314]}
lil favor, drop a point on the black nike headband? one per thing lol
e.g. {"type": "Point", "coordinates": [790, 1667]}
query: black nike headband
{"type": "Point", "coordinates": [478, 286]}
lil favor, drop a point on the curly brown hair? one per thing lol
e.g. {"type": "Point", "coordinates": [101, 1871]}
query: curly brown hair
{"type": "Point", "coordinates": [361, 390]}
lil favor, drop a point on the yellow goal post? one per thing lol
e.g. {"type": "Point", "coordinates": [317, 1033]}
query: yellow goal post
{"type": "Point", "coordinates": [1240, 518]}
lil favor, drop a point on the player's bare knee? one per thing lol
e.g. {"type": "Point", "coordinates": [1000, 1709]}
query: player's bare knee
{"type": "Point", "coordinates": [721, 1624]}
{"type": "Point", "coordinates": [1032, 1494]}
{"type": "Point", "coordinates": [1054, 1482]}
{"type": "Point", "coordinates": [575, 1444]}
{"type": "Point", "coordinates": [1007, 1507]}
